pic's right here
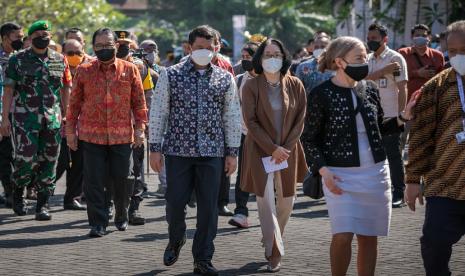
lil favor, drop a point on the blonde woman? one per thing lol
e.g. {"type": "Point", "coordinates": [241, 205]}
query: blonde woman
{"type": "Point", "coordinates": [274, 112]}
{"type": "Point", "coordinates": [342, 140]}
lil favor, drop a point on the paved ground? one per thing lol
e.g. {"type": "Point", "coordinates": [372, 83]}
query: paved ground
{"type": "Point", "coordinates": [61, 247]}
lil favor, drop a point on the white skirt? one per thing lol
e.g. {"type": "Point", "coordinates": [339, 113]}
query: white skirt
{"type": "Point", "coordinates": [365, 205]}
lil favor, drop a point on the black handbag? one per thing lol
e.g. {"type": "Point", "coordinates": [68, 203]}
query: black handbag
{"type": "Point", "coordinates": [312, 185]}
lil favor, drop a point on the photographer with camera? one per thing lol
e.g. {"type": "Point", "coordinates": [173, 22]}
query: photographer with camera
{"type": "Point", "coordinates": [389, 70]}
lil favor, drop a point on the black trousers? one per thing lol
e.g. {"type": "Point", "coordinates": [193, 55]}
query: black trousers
{"type": "Point", "coordinates": [6, 163]}
{"type": "Point", "coordinates": [223, 196]}
{"type": "Point", "coordinates": [396, 166]}
{"type": "Point", "coordinates": [136, 173]}
{"type": "Point", "coordinates": [104, 164]}
{"type": "Point", "coordinates": [241, 197]}
{"type": "Point", "coordinates": [185, 175]}
{"type": "Point", "coordinates": [444, 226]}
{"type": "Point", "coordinates": [71, 162]}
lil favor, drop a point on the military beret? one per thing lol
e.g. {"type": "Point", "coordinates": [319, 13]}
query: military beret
{"type": "Point", "coordinates": [41, 25]}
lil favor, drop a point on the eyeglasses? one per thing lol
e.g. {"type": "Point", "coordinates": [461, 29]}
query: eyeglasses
{"type": "Point", "coordinates": [104, 46]}
{"type": "Point", "coordinates": [77, 53]}
{"type": "Point", "coordinates": [267, 56]}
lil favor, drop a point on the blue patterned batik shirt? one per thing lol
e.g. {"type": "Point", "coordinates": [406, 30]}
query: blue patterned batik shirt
{"type": "Point", "coordinates": [195, 113]}
{"type": "Point", "coordinates": [309, 74]}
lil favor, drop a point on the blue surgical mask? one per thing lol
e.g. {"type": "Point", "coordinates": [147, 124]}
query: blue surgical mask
{"type": "Point", "coordinates": [420, 41]}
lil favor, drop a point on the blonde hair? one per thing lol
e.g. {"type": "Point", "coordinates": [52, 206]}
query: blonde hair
{"type": "Point", "coordinates": [456, 27]}
{"type": "Point", "coordinates": [338, 48]}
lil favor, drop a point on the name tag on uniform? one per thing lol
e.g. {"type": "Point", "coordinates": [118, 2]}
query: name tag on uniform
{"type": "Point", "coordinates": [383, 83]}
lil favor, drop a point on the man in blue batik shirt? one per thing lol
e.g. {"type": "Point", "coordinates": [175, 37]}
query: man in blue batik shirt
{"type": "Point", "coordinates": [308, 71]}
{"type": "Point", "coordinates": [195, 111]}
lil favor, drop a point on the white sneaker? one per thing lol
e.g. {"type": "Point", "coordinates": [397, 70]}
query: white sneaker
{"type": "Point", "coordinates": [239, 221]}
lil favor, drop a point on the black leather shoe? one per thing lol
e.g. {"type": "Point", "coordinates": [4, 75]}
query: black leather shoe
{"type": "Point", "coordinates": [205, 268]}
{"type": "Point", "coordinates": [121, 226]}
{"type": "Point", "coordinates": [397, 202]}
{"type": "Point", "coordinates": [136, 219]}
{"type": "Point", "coordinates": [225, 212]}
{"type": "Point", "coordinates": [43, 214]}
{"type": "Point", "coordinates": [97, 231]}
{"type": "Point", "coordinates": [74, 205]}
{"type": "Point", "coordinates": [172, 252]}
{"type": "Point", "coordinates": [19, 204]}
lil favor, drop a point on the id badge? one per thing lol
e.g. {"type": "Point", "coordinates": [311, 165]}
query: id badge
{"type": "Point", "coordinates": [383, 83]}
{"type": "Point", "coordinates": [461, 135]}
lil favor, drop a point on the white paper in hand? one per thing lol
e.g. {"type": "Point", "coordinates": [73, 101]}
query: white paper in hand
{"type": "Point", "coordinates": [271, 166]}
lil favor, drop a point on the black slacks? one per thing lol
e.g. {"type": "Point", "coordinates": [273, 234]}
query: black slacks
{"type": "Point", "coordinates": [185, 175]}
{"type": "Point", "coordinates": [444, 226]}
{"type": "Point", "coordinates": [102, 162]}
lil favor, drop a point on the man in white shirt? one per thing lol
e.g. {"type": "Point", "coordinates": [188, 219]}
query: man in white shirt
{"type": "Point", "coordinates": [389, 70]}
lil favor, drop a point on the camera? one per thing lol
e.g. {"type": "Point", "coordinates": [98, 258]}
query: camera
{"type": "Point", "coordinates": [139, 53]}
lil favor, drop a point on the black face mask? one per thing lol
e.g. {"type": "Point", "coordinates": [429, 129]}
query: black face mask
{"type": "Point", "coordinates": [17, 44]}
{"type": "Point", "coordinates": [357, 72]}
{"type": "Point", "coordinates": [374, 45]}
{"type": "Point", "coordinates": [247, 65]}
{"type": "Point", "coordinates": [123, 51]}
{"type": "Point", "coordinates": [105, 54]}
{"type": "Point", "coordinates": [41, 42]}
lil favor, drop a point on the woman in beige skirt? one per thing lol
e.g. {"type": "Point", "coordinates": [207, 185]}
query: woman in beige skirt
{"type": "Point", "coordinates": [274, 111]}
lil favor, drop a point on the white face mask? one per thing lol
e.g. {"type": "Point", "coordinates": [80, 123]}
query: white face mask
{"type": "Point", "coordinates": [202, 57]}
{"type": "Point", "coordinates": [272, 65]}
{"type": "Point", "coordinates": [458, 63]}
{"type": "Point", "coordinates": [318, 52]}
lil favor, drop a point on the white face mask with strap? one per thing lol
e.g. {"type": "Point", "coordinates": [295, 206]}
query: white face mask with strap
{"type": "Point", "coordinates": [458, 63]}
{"type": "Point", "coordinates": [202, 57]}
{"type": "Point", "coordinates": [272, 65]}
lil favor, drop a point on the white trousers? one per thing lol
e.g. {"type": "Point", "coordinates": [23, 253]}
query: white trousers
{"type": "Point", "coordinates": [274, 211]}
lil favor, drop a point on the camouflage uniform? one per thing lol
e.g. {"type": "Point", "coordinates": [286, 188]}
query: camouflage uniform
{"type": "Point", "coordinates": [36, 117]}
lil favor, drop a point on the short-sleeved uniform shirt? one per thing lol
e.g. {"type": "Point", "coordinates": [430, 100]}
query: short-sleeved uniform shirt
{"type": "Point", "coordinates": [387, 85]}
{"type": "Point", "coordinates": [37, 82]}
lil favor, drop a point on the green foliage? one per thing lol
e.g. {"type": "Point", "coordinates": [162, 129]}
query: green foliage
{"type": "Point", "coordinates": [63, 14]}
{"type": "Point", "coordinates": [294, 22]}
{"type": "Point", "coordinates": [457, 11]}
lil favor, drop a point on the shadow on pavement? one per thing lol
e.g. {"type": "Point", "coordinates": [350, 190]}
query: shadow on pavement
{"type": "Point", "coordinates": [311, 214]}
{"type": "Point", "coordinates": [308, 204]}
{"type": "Point", "coordinates": [26, 243]}
{"type": "Point", "coordinates": [248, 269]}
{"type": "Point", "coordinates": [46, 228]}
{"type": "Point", "coordinates": [153, 272]}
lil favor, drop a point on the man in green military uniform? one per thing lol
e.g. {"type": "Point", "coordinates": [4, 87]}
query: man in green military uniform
{"type": "Point", "coordinates": [37, 79]}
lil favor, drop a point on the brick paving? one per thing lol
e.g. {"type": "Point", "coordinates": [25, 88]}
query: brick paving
{"type": "Point", "coordinates": [61, 246]}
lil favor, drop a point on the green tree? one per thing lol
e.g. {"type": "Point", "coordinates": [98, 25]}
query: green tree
{"type": "Point", "coordinates": [291, 21]}
{"type": "Point", "coordinates": [63, 14]}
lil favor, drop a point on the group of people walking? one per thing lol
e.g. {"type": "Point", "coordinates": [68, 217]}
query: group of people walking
{"type": "Point", "coordinates": [341, 118]}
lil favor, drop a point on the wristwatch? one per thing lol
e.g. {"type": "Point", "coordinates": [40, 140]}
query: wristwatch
{"type": "Point", "coordinates": [402, 119]}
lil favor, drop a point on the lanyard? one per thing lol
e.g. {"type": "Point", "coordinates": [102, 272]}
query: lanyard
{"type": "Point", "coordinates": [461, 93]}
{"type": "Point", "coordinates": [462, 97]}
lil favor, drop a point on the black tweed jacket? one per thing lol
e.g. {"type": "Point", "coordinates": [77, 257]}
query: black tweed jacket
{"type": "Point", "coordinates": [330, 134]}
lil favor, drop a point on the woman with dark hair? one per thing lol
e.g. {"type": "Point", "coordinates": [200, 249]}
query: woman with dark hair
{"type": "Point", "coordinates": [273, 106]}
